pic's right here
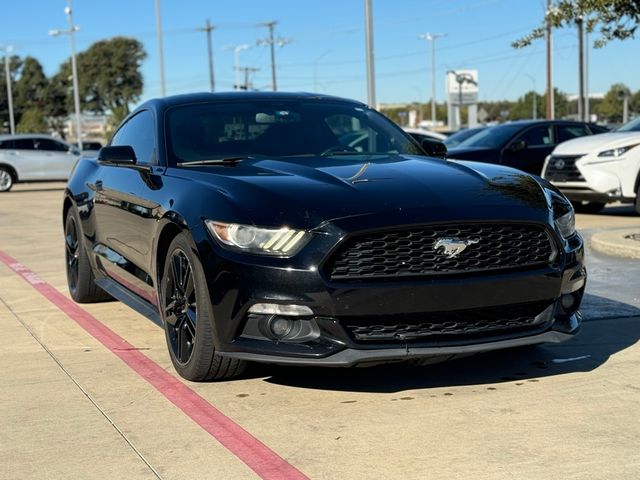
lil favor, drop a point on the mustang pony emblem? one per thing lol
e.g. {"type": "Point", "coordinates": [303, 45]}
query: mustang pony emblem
{"type": "Point", "coordinates": [452, 247]}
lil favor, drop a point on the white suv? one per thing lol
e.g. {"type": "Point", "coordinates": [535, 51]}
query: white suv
{"type": "Point", "coordinates": [599, 169]}
{"type": "Point", "coordinates": [29, 158]}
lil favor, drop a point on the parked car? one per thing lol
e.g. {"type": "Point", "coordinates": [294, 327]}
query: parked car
{"type": "Point", "coordinates": [420, 134]}
{"type": "Point", "coordinates": [244, 225]}
{"type": "Point", "coordinates": [598, 170]}
{"type": "Point", "coordinates": [90, 149]}
{"type": "Point", "coordinates": [523, 144]}
{"type": "Point", "coordinates": [29, 158]}
{"type": "Point", "coordinates": [455, 139]}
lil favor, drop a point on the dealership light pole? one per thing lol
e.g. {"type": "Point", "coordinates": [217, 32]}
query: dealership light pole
{"type": "Point", "coordinates": [236, 62]}
{"type": "Point", "coordinates": [549, 35]}
{"type": "Point", "coordinates": [371, 77]}
{"type": "Point", "coordinates": [160, 50]}
{"type": "Point", "coordinates": [7, 70]}
{"type": "Point", "coordinates": [432, 37]}
{"type": "Point", "coordinates": [74, 69]}
{"type": "Point", "coordinates": [208, 28]}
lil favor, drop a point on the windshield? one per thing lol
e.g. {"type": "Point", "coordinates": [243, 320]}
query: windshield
{"type": "Point", "coordinates": [207, 131]}
{"type": "Point", "coordinates": [460, 136]}
{"type": "Point", "coordinates": [491, 137]}
{"type": "Point", "coordinates": [632, 126]}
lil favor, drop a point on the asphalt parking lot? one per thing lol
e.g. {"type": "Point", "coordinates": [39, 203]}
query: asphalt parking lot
{"type": "Point", "coordinates": [89, 391]}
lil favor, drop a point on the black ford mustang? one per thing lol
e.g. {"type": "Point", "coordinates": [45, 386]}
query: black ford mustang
{"type": "Point", "coordinates": [306, 229]}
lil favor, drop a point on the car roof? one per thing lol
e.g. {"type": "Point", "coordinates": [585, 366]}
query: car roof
{"type": "Point", "coordinates": [205, 97]}
{"type": "Point", "coordinates": [29, 135]}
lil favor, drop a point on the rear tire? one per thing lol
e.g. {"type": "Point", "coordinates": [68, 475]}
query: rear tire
{"type": "Point", "coordinates": [80, 277]}
{"type": "Point", "coordinates": [188, 319]}
{"type": "Point", "coordinates": [588, 207]}
{"type": "Point", "coordinates": [637, 205]}
{"type": "Point", "coordinates": [6, 179]}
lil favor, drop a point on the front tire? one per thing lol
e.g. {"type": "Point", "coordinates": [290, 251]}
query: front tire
{"type": "Point", "coordinates": [80, 278]}
{"type": "Point", "coordinates": [6, 179]}
{"type": "Point", "coordinates": [188, 320]}
{"type": "Point", "coordinates": [637, 204]}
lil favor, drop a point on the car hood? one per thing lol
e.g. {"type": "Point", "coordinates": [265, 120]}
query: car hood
{"type": "Point", "coordinates": [306, 192]}
{"type": "Point", "coordinates": [593, 143]}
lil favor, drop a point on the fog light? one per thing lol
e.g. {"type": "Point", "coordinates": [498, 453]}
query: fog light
{"type": "Point", "coordinates": [280, 327]}
{"type": "Point", "coordinates": [568, 302]}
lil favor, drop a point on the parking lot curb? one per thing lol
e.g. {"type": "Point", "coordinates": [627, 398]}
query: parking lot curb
{"type": "Point", "coordinates": [620, 243]}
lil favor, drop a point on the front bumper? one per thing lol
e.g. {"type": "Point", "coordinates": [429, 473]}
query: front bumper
{"type": "Point", "coordinates": [236, 283]}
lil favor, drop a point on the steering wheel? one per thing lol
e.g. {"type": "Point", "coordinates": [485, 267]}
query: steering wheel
{"type": "Point", "coordinates": [337, 149]}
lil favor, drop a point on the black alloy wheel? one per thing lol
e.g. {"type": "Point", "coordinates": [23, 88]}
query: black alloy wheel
{"type": "Point", "coordinates": [185, 306]}
{"type": "Point", "coordinates": [80, 277]}
{"type": "Point", "coordinates": [72, 252]}
{"type": "Point", "coordinates": [180, 307]}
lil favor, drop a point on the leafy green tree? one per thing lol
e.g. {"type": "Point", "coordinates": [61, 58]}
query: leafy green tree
{"type": "Point", "coordinates": [615, 19]}
{"type": "Point", "coordinates": [561, 102]}
{"type": "Point", "coordinates": [32, 121]}
{"type": "Point", "coordinates": [523, 108]}
{"type": "Point", "coordinates": [611, 106]}
{"type": "Point", "coordinates": [30, 89]}
{"type": "Point", "coordinates": [109, 74]}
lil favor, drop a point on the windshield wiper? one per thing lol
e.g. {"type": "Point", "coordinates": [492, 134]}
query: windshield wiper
{"type": "Point", "coordinates": [214, 161]}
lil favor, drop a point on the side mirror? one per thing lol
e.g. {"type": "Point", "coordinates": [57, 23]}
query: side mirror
{"type": "Point", "coordinates": [117, 155]}
{"type": "Point", "coordinates": [434, 148]}
{"type": "Point", "coordinates": [518, 146]}
{"type": "Point", "coordinates": [74, 151]}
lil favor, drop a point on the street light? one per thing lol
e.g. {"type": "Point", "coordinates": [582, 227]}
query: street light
{"type": "Point", "coordinates": [236, 65]}
{"type": "Point", "coordinates": [74, 69]}
{"type": "Point", "coordinates": [432, 37]}
{"type": "Point", "coordinates": [12, 123]}
{"type": "Point", "coordinates": [535, 101]}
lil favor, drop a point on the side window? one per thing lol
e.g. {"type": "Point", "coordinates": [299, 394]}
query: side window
{"type": "Point", "coordinates": [567, 132]}
{"type": "Point", "coordinates": [23, 144]}
{"type": "Point", "coordinates": [49, 145]}
{"type": "Point", "coordinates": [4, 145]}
{"type": "Point", "coordinates": [138, 132]}
{"type": "Point", "coordinates": [539, 136]}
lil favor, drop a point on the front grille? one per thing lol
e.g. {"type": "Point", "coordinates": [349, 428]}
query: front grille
{"type": "Point", "coordinates": [447, 325]}
{"type": "Point", "coordinates": [563, 169]}
{"type": "Point", "coordinates": [412, 252]}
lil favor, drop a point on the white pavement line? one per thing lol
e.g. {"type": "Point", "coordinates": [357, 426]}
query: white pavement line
{"type": "Point", "coordinates": [86, 394]}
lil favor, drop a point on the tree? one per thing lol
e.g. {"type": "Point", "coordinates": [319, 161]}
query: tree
{"type": "Point", "coordinates": [561, 102]}
{"type": "Point", "coordinates": [616, 19]}
{"type": "Point", "coordinates": [31, 87]}
{"type": "Point", "coordinates": [109, 74]}
{"type": "Point", "coordinates": [523, 108]}
{"type": "Point", "coordinates": [32, 121]}
{"type": "Point", "coordinates": [611, 106]}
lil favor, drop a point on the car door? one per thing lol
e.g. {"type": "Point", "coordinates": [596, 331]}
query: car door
{"type": "Point", "coordinates": [528, 149]}
{"type": "Point", "coordinates": [56, 158]}
{"type": "Point", "coordinates": [127, 209]}
{"type": "Point", "coordinates": [22, 155]}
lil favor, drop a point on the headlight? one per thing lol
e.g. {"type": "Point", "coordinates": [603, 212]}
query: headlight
{"type": "Point", "coordinates": [566, 224]}
{"type": "Point", "coordinates": [280, 242]}
{"type": "Point", "coordinates": [617, 152]}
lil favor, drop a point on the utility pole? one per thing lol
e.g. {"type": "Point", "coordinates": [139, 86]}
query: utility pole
{"type": "Point", "coordinates": [272, 41]}
{"type": "Point", "coordinates": [247, 84]}
{"type": "Point", "coordinates": [7, 70]}
{"type": "Point", "coordinates": [208, 28]}
{"type": "Point", "coordinates": [432, 37]}
{"type": "Point", "coordinates": [160, 50]}
{"type": "Point", "coordinates": [74, 68]}
{"type": "Point", "coordinates": [368, 29]}
{"type": "Point", "coordinates": [550, 93]}
{"type": "Point", "coordinates": [580, 70]}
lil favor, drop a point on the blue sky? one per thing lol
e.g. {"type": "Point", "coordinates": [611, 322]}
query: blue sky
{"type": "Point", "coordinates": [329, 34]}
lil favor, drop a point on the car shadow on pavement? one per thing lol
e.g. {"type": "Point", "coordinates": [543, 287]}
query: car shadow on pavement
{"type": "Point", "coordinates": [613, 327]}
{"type": "Point", "coordinates": [626, 210]}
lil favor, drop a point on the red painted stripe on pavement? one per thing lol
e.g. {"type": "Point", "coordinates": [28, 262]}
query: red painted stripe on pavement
{"type": "Point", "coordinates": [255, 454]}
